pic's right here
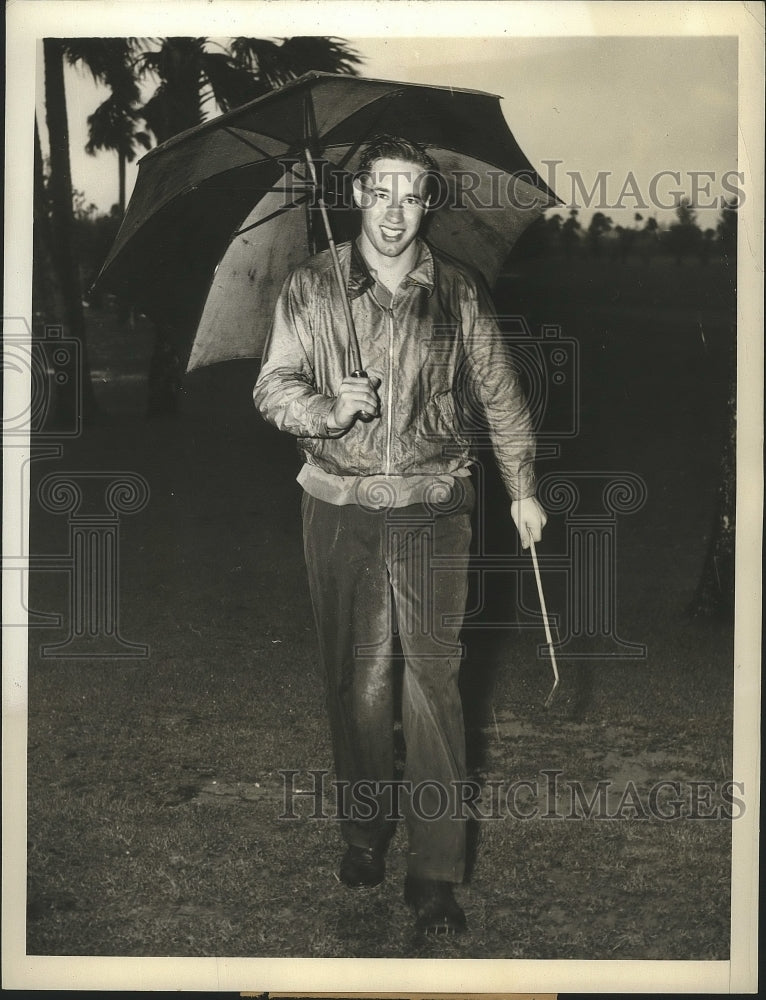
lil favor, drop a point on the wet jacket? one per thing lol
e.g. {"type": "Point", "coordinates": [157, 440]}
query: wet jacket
{"type": "Point", "coordinates": [448, 384]}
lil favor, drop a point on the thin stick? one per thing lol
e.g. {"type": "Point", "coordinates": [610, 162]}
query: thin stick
{"type": "Point", "coordinates": [545, 621]}
{"type": "Point", "coordinates": [356, 360]}
{"type": "Point", "coordinates": [497, 728]}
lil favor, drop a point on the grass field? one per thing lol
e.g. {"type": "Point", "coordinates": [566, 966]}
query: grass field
{"type": "Point", "coordinates": [154, 784]}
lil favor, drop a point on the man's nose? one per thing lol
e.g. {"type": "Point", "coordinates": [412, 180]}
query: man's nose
{"type": "Point", "coordinates": [394, 212]}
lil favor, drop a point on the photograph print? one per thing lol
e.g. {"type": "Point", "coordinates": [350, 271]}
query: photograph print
{"type": "Point", "coordinates": [382, 465]}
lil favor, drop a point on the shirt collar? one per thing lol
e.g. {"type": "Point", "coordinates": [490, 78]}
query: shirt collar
{"type": "Point", "coordinates": [360, 279]}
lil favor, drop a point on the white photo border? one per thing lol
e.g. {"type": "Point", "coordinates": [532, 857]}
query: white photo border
{"type": "Point", "coordinates": [30, 20]}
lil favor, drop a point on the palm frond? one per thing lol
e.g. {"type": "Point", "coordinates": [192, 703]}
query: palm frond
{"type": "Point", "coordinates": [276, 64]}
{"type": "Point", "coordinates": [231, 85]}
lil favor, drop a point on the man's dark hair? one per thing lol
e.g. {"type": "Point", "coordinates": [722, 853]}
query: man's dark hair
{"type": "Point", "coordinates": [394, 147]}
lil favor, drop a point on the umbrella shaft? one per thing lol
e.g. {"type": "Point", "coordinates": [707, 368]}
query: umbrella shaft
{"type": "Point", "coordinates": [353, 342]}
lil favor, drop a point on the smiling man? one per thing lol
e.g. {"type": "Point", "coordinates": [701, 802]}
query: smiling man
{"type": "Point", "coordinates": [387, 507]}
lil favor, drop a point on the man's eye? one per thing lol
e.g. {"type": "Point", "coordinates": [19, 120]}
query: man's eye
{"type": "Point", "coordinates": [413, 201]}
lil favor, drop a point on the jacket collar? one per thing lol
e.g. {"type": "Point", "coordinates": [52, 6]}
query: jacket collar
{"type": "Point", "coordinates": [360, 279]}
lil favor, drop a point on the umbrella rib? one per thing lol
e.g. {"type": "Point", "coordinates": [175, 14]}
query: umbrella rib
{"type": "Point", "coordinates": [290, 151]}
{"type": "Point", "coordinates": [273, 215]}
{"type": "Point", "coordinates": [310, 134]}
{"type": "Point", "coordinates": [254, 145]}
{"type": "Point", "coordinates": [383, 105]}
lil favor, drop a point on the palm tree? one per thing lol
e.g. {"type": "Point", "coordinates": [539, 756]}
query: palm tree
{"type": "Point", "coordinates": [600, 224]}
{"type": "Point", "coordinates": [112, 126]}
{"type": "Point", "coordinates": [198, 75]}
{"type": "Point", "coordinates": [61, 222]}
{"type": "Point", "coordinates": [193, 76]}
{"type": "Point", "coordinates": [47, 300]}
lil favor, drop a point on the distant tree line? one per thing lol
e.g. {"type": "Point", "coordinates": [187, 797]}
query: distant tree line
{"type": "Point", "coordinates": [557, 235]}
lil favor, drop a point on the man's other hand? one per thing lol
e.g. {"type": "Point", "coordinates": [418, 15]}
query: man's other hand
{"type": "Point", "coordinates": [530, 518]}
{"type": "Point", "coordinates": [355, 396]}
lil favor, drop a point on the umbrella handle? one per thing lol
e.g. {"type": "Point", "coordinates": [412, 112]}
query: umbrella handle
{"type": "Point", "coordinates": [362, 414]}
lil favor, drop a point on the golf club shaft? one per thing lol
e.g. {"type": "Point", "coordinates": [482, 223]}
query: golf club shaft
{"type": "Point", "coordinates": [544, 610]}
{"type": "Point", "coordinates": [536, 566]}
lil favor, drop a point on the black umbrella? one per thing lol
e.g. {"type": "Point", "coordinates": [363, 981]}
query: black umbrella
{"type": "Point", "coordinates": [222, 212]}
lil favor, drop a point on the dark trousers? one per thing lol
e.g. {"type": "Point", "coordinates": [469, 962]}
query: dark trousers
{"type": "Point", "coordinates": [372, 574]}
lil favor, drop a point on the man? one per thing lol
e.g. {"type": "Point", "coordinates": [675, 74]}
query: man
{"type": "Point", "coordinates": [387, 506]}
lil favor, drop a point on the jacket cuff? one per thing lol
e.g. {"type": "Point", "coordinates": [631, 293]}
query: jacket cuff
{"type": "Point", "coordinates": [320, 408]}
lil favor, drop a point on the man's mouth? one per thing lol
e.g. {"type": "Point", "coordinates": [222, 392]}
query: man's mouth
{"type": "Point", "coordinates": [391, 235]}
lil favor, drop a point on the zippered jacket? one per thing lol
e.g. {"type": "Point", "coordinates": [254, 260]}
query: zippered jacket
{"type": "Point", "coordinates": [448, 386]}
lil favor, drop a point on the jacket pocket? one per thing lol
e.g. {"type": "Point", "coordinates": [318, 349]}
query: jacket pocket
{"type": "Point", "coordinates": [449, 417]}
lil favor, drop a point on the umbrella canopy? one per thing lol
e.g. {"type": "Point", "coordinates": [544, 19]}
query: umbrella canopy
{"type": "Point", "coordinates": [222, 212]}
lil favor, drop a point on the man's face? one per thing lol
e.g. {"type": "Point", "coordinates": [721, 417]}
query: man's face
{"type": "Point", "coordinates": [393, 202]}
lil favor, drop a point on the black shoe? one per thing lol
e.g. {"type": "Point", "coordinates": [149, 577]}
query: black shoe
{"type": "Point", "coordinates": [436, 909]}
{"type": "Point", "coordinates": [362, 867]}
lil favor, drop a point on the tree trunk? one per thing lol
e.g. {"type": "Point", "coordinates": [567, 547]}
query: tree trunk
{"type": "Point", "coordinates": [714, 597]}
{"type": "Point", "coordinates": [121, 195]}
{"type": "Point", "coordinates": [60, 188]}
{"type": "Point", "coordinates": [47, 303]}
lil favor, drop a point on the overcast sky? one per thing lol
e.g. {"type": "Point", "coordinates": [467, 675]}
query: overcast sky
{"type": "Point", "coordinates": [631, 107]}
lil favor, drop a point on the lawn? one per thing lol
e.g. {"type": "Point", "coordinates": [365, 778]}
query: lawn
{"type": "Point", "coordinates": [155, 791]}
